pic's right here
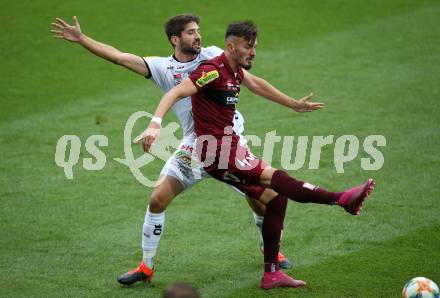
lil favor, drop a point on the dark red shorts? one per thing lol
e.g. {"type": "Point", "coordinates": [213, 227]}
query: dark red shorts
{"type": "Point", "coordinates": [240, 168]}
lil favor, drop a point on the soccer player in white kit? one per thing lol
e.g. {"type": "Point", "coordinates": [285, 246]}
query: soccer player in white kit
{"type": "Point", "coordinates": [177, 175]}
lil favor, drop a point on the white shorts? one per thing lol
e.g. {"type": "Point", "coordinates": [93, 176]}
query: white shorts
{"type": "Point", "coordinates": [183, 165]}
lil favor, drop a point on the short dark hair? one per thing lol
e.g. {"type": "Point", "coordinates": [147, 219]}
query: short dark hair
{"type": "Point", "coordinates": [175, 25]}
{"type": "Point", "coordinates": [245, 29]}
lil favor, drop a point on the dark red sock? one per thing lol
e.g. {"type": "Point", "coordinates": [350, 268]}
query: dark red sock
{"type": "Point", "coordinates": [301, 191]}
{"type": "Point", "coordinates": [272, 225]}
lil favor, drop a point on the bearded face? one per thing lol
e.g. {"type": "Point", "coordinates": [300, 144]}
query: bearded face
{"type": "Point", "coordinates": [190, 41]}
{"type": "Point", "coordinates": [244, 52]}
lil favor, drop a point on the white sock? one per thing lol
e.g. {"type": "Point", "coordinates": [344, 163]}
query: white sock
{"type": "Point", "coordinates": [151, 233]}
{"type": "Point", "coordinates": [259, 223]}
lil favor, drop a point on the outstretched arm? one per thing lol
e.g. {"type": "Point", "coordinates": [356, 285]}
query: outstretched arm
{"type": "Point", "coordinates": [264, 89]}
{"type": "Point", "coordinates": [184, 89]}
{"type": "Point", "coordinates": [74, 34]}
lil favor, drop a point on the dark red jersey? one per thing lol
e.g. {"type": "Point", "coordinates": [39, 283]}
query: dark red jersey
{"type": "Point", "coordinates": [213, 109]}
{"type": "Point", "coordinates": [213, 105]}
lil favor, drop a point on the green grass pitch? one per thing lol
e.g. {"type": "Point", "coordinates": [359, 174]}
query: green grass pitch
{"type": "Point", "coordinates": [374, 63]}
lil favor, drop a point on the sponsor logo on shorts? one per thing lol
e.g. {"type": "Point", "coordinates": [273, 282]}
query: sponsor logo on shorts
{"type": "Point", "coordinates": [184, 158]}
{"type": "Point", "coordinates": [187, 148]}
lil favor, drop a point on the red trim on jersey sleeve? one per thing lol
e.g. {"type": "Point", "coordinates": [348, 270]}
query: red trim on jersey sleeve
{"type": "Point", "coordinates": [204, 75]}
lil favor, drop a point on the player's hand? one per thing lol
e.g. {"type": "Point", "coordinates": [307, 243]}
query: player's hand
{"type": "Point", "coordinates": [148, 136]}
{"type": "Point", "coordinates": [303, 105]}
{"type": "Point", "coordinates": [65, 31]}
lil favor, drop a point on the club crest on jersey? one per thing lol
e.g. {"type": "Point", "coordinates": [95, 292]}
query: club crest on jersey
{"type": "Point", "coordinates": [207, 77]}
{"type": "Point", "coordinates": [231, 86]}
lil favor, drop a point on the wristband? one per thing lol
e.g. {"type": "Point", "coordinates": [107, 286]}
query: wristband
{"type": "Point", "coordinates": [157, 120]}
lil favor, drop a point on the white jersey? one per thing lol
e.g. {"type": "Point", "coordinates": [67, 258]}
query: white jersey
{"type": "Point", "coordinates": [167, 73]}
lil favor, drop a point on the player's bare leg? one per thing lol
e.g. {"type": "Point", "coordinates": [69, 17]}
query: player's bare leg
{"type": "Point", "coordinates": [351, 200]}
{"type": "Point", "coordinates": [256, 206]}
{"type": "Point", "coordinates": [165, 191]}
{"type": "Point", "coordinates": [259, 208]}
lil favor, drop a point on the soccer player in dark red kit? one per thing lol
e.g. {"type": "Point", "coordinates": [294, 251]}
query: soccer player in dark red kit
{"type": "Point", "coordinates": [215, 87]}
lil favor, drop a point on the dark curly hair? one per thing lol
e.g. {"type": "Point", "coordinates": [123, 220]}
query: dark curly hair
{"type": "Point", "coordinates": [175, 25]}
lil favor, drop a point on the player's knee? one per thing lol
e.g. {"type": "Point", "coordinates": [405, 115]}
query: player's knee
{"type": "Point", "coordinates": [258, 207]}
{"type": "Point", "coordinates": [267, 196]}
{"type": "Point", "coordinates": [157, 204]}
